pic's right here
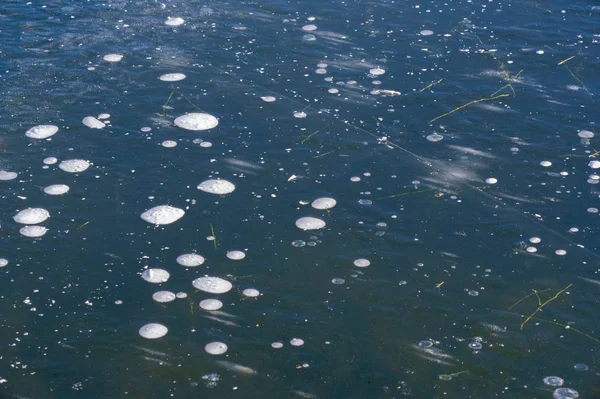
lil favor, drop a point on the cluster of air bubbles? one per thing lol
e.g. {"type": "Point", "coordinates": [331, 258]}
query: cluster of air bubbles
{"type": "Point", "coordinates": [190, 260]}
{"type": "Point", "coordinates": [215, 348]}
{"type": "Point", "coordinates": [156, 275]}
{"type": "Point", "coordinates": [41, 131]}
{"type": "Point", "coordinates": [162, 214]}
{"type": "Point", "coordinates": [202, 143]}
{"type": "Point", "coordinates": [196, 121]}
{"type": "Point", "coordinates": [236, 255]}
{"type": "Point", "coordinates": [153, 331]}
{"type": "Point", "coordinates": [298, 243]}
{"type": "Point", "coordinates": [172, 77]}
{"type": "Point", "coordinates": [211, 380]}
{"type": "Point", "coordinates": [213, 186]}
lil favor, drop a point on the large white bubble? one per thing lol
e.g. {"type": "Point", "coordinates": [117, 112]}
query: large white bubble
{"type": "Point", "coordinates": [156, 276]}
{"type": "Point", "coordinates": [74, 165]}
{"type": "Point", "coordinates": [162, 214]}
{"type": "Point", "coordinates": [310, 223]}
{"type": "Point", "coordinates": [93, 123]}
{"type": "Point", "coordinates": [215, 348]}
{"type": "Point", "coordinates": [214, 186]}
{"type": "Point", "coordinates": [362, 262]}
{"type": "Point", "coordinates": [211, 304]}
{"type": "Point", "coordinates": [41, 131]}
{"type": "Point", "coordinates": [324, 203]}
{"type": "Point", "coordinates": [163, 296]}
{"type": "Point", "coordinates": [153, 331]}
{"type": "Point", "coordinates": [251, 292]}
{"type": "Point", "coordinates": [172, 77]}
{"type": "Point", "coordinates": [196, 121]}
{"type": "Point", "coordinates": [33, 231]}
{"type": "Point", "coordinates": [56, 189]}
{"type": "Point", "coordinates": [31, 216]}
{"type": "Point", "coordinates": [113, 57]}
{"type": "Point", "coordinates": [190, 260]}
{"type": "Point", "coordinates": [174, 21]}
{"type": "Point", "coordinates": [3, 262]}
{"type": "Point", "coordinates": [212, 285]}
{"type": "Point", "coordinates": [6, 175]}
{"type": "Point", "coordinates": [236, 255]}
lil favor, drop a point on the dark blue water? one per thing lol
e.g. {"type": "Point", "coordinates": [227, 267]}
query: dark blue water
{"type": "Point", "coordinates": [448, 144]}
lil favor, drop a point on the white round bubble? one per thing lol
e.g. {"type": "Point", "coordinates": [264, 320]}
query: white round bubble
{"type": "Point", "coordinates": [56, 189]}
{"type": "Point", "coordinates": [236, 255]}
{"type": "Point", "coordinates": [296, 342]}
{"type": "Point", "coordinates": [491, 180]}
{"type": "Point", "coordinates": [212, 285]}
{"type": "Point", "coordinates": [33, 231]}
{"type": "Point", "coordinates": [535, 240]}
{"type": "Point", "coordinates": [172, 77]}
{"type": "Point", "coordinates": [74, 165]}
{"type": "Point", "coordinates": [324, 203]}
{"type": "Point", "coordinates": [300, 114]}
{"type": "Point", "coordinates": [174, 21]}
{"type": "Point", "coordinates": [268, 99]}
{"type": "Point", "coordinates": [113, 57]}
{"type": "Point", "coordinates": [169, 144]}
{"type": "Point", "coordinates": [50, 161]}
{"type": "Point", "coordinates": [3, 262]}
{"type": "Point", "coordinates": [309, 28]}
{"type": "Point", "coordinates": [554, 381]}
{"type": "Point", "coordinates": [93, 123]}
{"type": "Point", "coordinates": [104, 116]}
{"type": "Point", "coordinates": [362, 262]}
{"type": "Point", "coordinates": [333, 91]}
{"type": "Point", "coordinates": [190, 260]}
{"type": "Point", "coordinates": [546, 164]}
{"type": "Point", "coordinates": [214, 186]}
{"type": "Point", "coordinates": [162, 214]}
{"type": "Point", "coordinates": [310, 223]}
{"type": "Point", "coordinates": [31, 216]}
{"type": "Point", "coordinates": [251, 292]}
{"type": "Point", "coordinates": [211, 304]}
{"type": "Point", "coordinates": [585, 134]}
{"type": "Point", "coordinates": [215, 348]}
{"type": "Point", "coordinates": [277, 345]}
{"type": "Point", "coordinates": [377, 71]}
{"type": "Point", "coordinates": [426, 32]}
{"type": "Point", "coordinates": [41, 131]}
{"type": "Point", "coordinates": [565, 393]}
{"type": "Point", "coordinates": [531, 250]}
{"type": "Point", "coordinates": [156, 276]}
{"type": "Point", "coordinates": [594, 164]}
{"type": "Point", "coordinates": [163, 296]}
{"type": "Point", "coordinates": [6, 175]}
{"type": "Point", "coordinates": [153, 331]}
{"type": "Point", "coordinates": [435, 137]}
{"type": "Point", "coordinates": [196, 121]}
{"type": "Point", "coordinates": [560, 252]}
